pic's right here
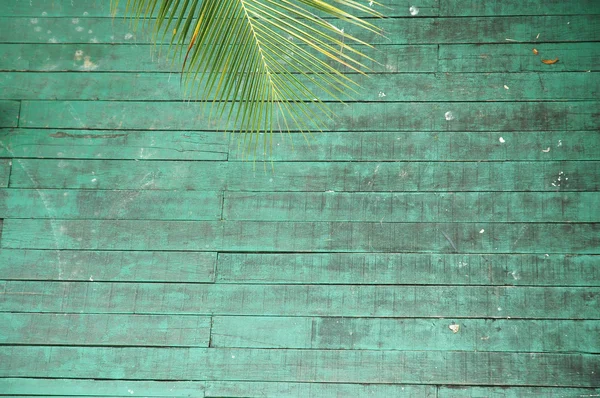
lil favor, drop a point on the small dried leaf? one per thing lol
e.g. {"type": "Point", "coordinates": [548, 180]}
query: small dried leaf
{"type": "Point", "coordinates": [550, 61]}
{"type": "Point", "coordinates": [454, 327]}
{"type": "Point", "coordinates": [535, 51]}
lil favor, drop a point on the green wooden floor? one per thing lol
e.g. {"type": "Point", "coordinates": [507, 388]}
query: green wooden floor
{"type": "Point", "coordinates": [440, 239]}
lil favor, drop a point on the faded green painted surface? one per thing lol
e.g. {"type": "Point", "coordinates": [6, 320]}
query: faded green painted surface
{"type": "Point", "coordinates": [441, 237]}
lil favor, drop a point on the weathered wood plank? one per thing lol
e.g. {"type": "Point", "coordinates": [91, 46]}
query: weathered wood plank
{"type": "Point", "coordinates": [301, 237]}
{"type": "Point", "coordinates": [411, 207]}
{"type": "Point", "coordinates": [105, 330]}
{"type": "Point", "coordinates": [5, 169]}
{"type": "Point", "coordinates": [106, 144]}
{"type": "Point", "coordinates": [101, 8]}
{"type": "Point", "coordinates": [108, 266]}
{"type": "Point", "coordinates": [424, 367]}
{"type": "Point", "coordinates": [302, 300]}
{"type": "Point", "coordinates": [572, 28]}
{"type": "Point", "coordinates": [515, 392]}
{"type": "Point", "coordinates": [115, 174]}
{"type": "Point", "coordinates": [110, 205]}
{"type": "Point", "coordinates": [394, 146]}
{"type": "Point", "coordinates": [517, 7]}
{"type": "Point", "coordinates": [9, 113]}
{"type": "Point", "coordinates": [410, 268]}
{"type": "Point", "coordinates": [332, 146]}
{"type": "Point", "coordinates": [407, 334]}
{"type": "Point", "coordinates": [240, 389]}
{"type": "Point", "coordinates": [405, 176]}
{"type": "Point", "coordinates": [378, 116]}
{"type": "Point", "coordinates": [308, 176]}
{"type": "Point", "coordinates": [140, 58]}
{"type": "Point", "coordinates": [516, 57]}
{"type": "Point", "coordinates": [105, 388]}
{"type": "Point", "coordinates": [374, 87]}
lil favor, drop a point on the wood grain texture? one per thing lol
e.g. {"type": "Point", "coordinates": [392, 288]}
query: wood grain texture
{"type": "Point", "coordinates": [492, 29]}
{"type": "Point", "coordinates": [107, 388]}
{"type": "Point", "coordinates": [407, 334]}
{"type": "Point", "coordinates": [104, 330]}
{"type": "Point", "coordinates": [9, 113]}
{"type": "Point", "coordinates": [424, 367]}
{"type": "Point", "coordinates": [413, 207]}
{"type": "Point", "coordinates": [376, 87]}
{"type": "Point", "coordinates": [294, 300]}
{"type": "Point", "coordinates": [557, 176]}
{"type": "Point", "coordinates": [410, 268]}
{"type": "Point", "coordinates": [107, 266]}
{"type": "Point", "coordinates": [265, 236]}
{"type": "Point", "coordinates": [109, 204]}
{"type": "Point", "coordinates": [438, 238]}
{"type": "Point", "coordinates": [433, 146]}
{"type": "Point", "coordinates": [141, 58]}
{"type": "Point", "coordinates": [368, 116]}
{"type": "Point", "coordinates": [106, 144]}
{"type": "Point", "coordinates": [517, 57]}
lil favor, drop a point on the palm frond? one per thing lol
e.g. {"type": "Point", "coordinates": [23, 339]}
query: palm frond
{"type": "Point", "coordinates": [262, 62]}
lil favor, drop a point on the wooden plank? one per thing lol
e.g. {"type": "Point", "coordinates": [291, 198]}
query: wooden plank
{"type": "Point", "coordinates": [110, 205]}
{"type": "Point", "coordinates": [239, 389]}
{"type": "Point", "coordinates": [115, 174]}
{"type": "Point", "coordinates": [333, 146]}
{"type": "Point", "coordinates": [105, 330]}
{"type": "Point", "coordinates": [517, 7]}
{"type": "Point", "coordinates": [108, 266]}
{"type": "Point", "coordinates": [410, 268]}
{"type": "Point", "coordinates": [106, 388]}
{"type": "Point", "coordinates": [412, 207]}
{"type": "Point", "coordinates": [315, 176]}
{"type": "Point", "coordinates": [515, 392]}
{"type": "Point", "coordinates": [375, 87]}
{"type": "Point", "coordinates": [5, 169]}
{"type": "Point", "coordinates": [140, 58]}
{"type": "Point", "coordinates": [395, 176]}
{"type": "Point", "coordinates": [572, 28]}
{"type": "Point", "coordinates": [100, 8]}
{"type": "Point", "coordinates": [106, 144]}
{"type": "Point", "coordinates": [516, 57]}
{"type": "Point", "coordinates": [407, 334]}
{"type": "Point", "coordinates": [302, 300]}
{"type": "Point", "coordinates": [423, 367]}
{"type": "Point", "coordinates": [9, 113]}
{"type": "Point", "coordinates": [234, 236]}
{"type": "Point", "coordinates": [377, 116]}
{"type": "Point", "coordinates": [419, 146]}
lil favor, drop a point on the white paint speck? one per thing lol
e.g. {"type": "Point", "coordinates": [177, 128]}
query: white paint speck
{"type": "Point", "coordinates": [559, 143]}
{"type": "Point", "coordinates": [94, 179]}
{"type": "Point", "coordinates": [454, 327]}
{"type": "Point", "coordinates": [48, 31]}
{"type": "Point", "coordinates": [499, 308]}
{"type": "Point", "coordinates": [546, 150]}
{"type": "Point", "coordinates": [413, 10]}
{"type": "Point", "coordinates": [66, 194]}
{"type": "Point", "coordinates": [38, 28]}
{"type": "Point", "coordinates": [91, 279]}
{"type": "Point", "coordinates": [75, 21]}
{"type": "Point", "coordinates": [381, 94]}
{"type": "Point", "coordinates": [502, 140]}
{"type": "Point", "coordinates": [505, 87]}
{"type": "Point", "coordinates": [85, 13]}
{"type": "Point", "coordinates": [130, 391]}
{"type": "Point", "coordinates": [90, 31]}
{"type": "Point", "coordinates": [93, 40]}
{"type": "Point", "coordinates": [79, 28]}
{"type": "Point", "coordinates": [515, 275]}
{"type": "Point", "coordinates": [44, 13]}
{"type": "Point", "coordinates": [233, 356]}
{"type": "Point", "coordinates": [128, 36]}
{"type": "Point", "coordinates": [449, 116]}
{"type": "Point", "coordinates": [482, 231]}
{"type": "Point", "coordinates": [52, 40]}
{"type": "Point", "coordinates": [33, 21]}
